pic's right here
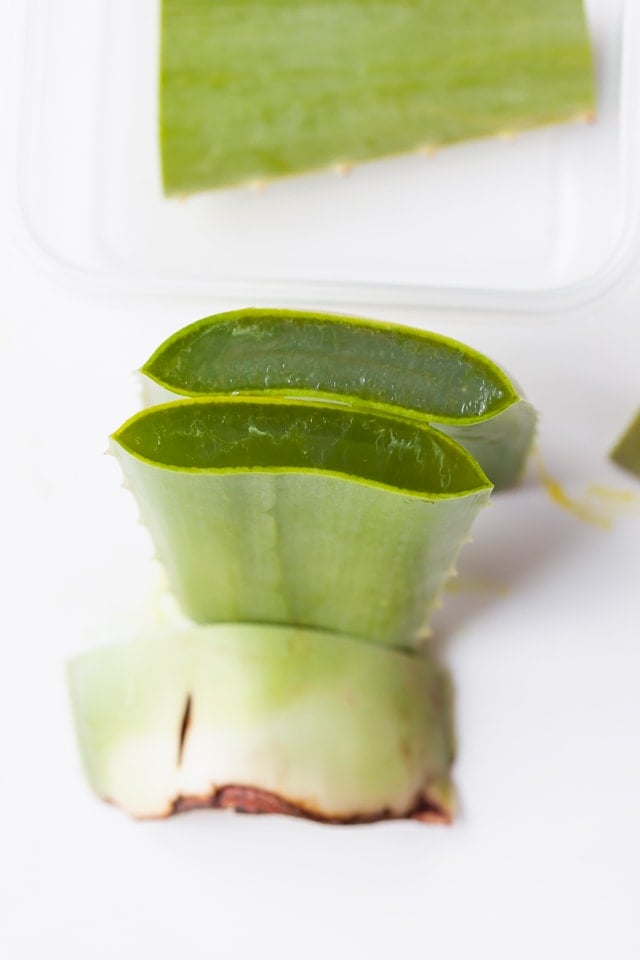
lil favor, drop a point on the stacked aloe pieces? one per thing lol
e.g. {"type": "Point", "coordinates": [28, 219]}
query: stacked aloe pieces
{"type": "Point", "coordinates": [301, 481]}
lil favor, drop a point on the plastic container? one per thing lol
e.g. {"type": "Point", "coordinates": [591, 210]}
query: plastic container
{"type": "Point", "coordinates": [542, 224]}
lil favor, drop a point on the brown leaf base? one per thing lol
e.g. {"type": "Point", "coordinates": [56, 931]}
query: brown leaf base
{"type": "Point", "coordinates": [252, 800]}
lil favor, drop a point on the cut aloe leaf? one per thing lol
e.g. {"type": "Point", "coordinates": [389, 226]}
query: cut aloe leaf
{"type": "Point", "coordinates": [626, 452]}
{"type": "Point", "coordinates": [317, 515]}
{"type": "Point", "coordinates": [393, 369]}
{"type": "Point", "coordinates": [264, 719]}
{"type": "Point", "coordinates": [250, 91]}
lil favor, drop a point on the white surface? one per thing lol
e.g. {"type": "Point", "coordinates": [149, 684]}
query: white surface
{"type": "Point", "coordinates": [544, 860]}
{"type": "Point", "coordinates": [562, 202]}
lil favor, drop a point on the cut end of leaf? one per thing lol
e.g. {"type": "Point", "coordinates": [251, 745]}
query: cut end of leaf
{"type": "Point", "coordinates": [381, 367]}
{"type": "Point", "coordinates": [299, 354]}
{"type": "Point", "coordinates": [225, 434]}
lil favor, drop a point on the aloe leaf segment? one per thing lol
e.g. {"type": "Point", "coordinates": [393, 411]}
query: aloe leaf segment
{"type": "Point", "coordinates": [255, 90]}
{"type": "Point", "coordinates": [315, 515]}
{"type": "Point", "coordinates": [390, 368]}
{"type": "Point", "coordinates": [336, 728]}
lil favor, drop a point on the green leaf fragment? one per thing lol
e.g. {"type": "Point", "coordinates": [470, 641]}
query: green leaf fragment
{"type": "Point", "coordinates": [315, 515]}
{"type": "Point", "coordinates": [394, 369]}
{"type": "Point", "coordinates": [626, 452]}
{"type": "Point", "coordinates": [334, 728]}
{"type": "Point", "coordinates": [254, 89]}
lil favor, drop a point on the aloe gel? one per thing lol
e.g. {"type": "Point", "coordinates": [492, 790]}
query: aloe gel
{"type": "Point", "coordinates": [386, 367]}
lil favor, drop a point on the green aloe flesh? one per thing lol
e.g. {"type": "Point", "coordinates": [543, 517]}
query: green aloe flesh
{"type": "Point", "coordinates": [315, 515]}
{"type": "Point", "coordinates": [391, 368]}
{"type": "Point", "coordinates": [626, 452]}
{"type": "Point", "coordinates": [339, 729]}
{"type": "Point", "coordinates": [255, 89]}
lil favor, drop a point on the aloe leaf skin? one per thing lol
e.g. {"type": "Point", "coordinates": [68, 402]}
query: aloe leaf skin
{"type": "Point", "coordinates": [314, 515]}
{"type": "Point", "coordinates": [500, 444]}
{"type": "Point", "coordinates": [252, 90]}
{"type": "Point", "coordinates": [626, 452]}
{"type": "Point", "coordinates": [321, 725]}
{"type": "Point", "coordinates": [391, 368]}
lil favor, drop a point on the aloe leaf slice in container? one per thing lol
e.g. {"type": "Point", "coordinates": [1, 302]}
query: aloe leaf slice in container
{"type": "Point", "coordinates": [255, 90]}
{"type": "Point", "coordinates": [391, 368]}
{"type": "Point", "coordinates": [311, 514]}
{"type": "Point", "coordinates": [264, 719]}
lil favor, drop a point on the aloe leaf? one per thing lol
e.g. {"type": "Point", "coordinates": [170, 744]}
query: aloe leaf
{"type": "Point", "coordinates": [264, 718]}
{"type": "Point", "coordinates": [251, 89]}
{"type": "Point", "coordinates": [626, 452]}
{"type": "Point", "coordinates": [311, 514]}
{"type": "Point", "coordinates": [396, 370]}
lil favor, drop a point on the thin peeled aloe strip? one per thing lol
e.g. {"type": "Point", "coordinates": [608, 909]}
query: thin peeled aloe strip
{"type": "Point", "coordinates": [394, 369]}
{"type": "Point", "coordinates": [310, 514]}
{"type": "Point", "coordinates": [264, 718]}
{"type": "Point", "coordinates": [251, 91]}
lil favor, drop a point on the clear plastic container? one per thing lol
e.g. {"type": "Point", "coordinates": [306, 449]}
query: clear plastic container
{"type": "Point", "coordinates": [542, 224]}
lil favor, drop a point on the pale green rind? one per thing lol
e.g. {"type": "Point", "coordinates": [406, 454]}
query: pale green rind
{"type": "Point", "coordinates": [341, 729]}
{"type": "Point", "coordinates": [252, 89]}
{"type": "Point", "coordinates": [313, 550]}
{"type": "Point", "coordinates": [306, 545]}
{"type": "Point", "coordinates": [389, 368]}
{"type": "Point", "coordinates": [501, 444]}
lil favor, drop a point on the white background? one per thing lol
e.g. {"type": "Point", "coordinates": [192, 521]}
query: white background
{"type": "Point", "coordinates": [542, 637]}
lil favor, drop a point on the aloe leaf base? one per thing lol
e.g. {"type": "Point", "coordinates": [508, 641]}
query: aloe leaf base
{"type": "Point", "coordinates": [264, 719]}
